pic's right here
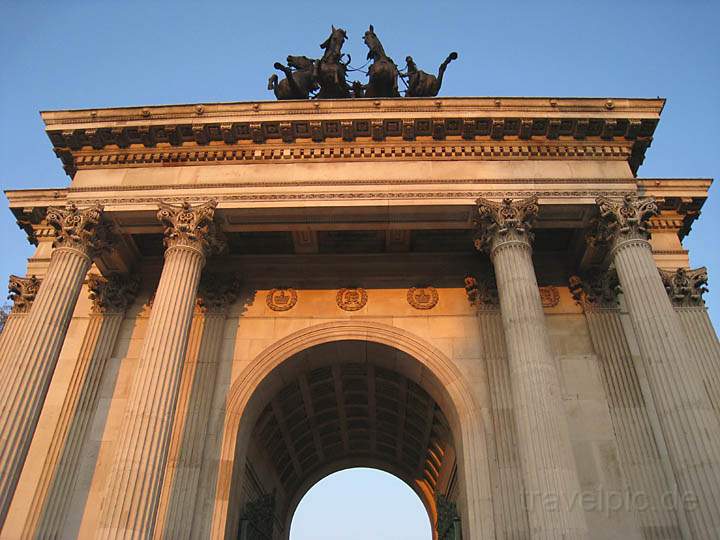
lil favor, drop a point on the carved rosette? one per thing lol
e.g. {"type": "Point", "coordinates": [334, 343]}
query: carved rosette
{"type": "Point", "coordinates": [497, 223]}
{"type": "Point", "coordinates": [626, 219]}
{"type": "Point", "coordinates": [22, 292]}
{"type": "Point", "coordinates": [596, 290]}
{"type": "Point", "coordinates": [217, 292]}
{"type": "Point", "coordinates": [351, 299]}
{"type": "Point", "coordinates": [191, 226]}
{"type": "Point", "coordinates": [482, 293]}
{"type": "Point", "coordinates": [112, 294]}
{"type": "Point", "coordinates": [684, 286]}
{"type": "Point", "coordinates": [81, 229]}
{"type": "Point", "coordinates": [422, 297]}
{"type": "Point", "coordinates": [281, 299]}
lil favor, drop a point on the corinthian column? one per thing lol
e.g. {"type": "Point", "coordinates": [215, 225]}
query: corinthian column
{"type": "Point", "coordinates": [110, 297]}
{"type": "Point", "coordinates": [549, 472]}
{"type": "Point", "coordinates": [22, 293]}
{"type": "Point", "coordinates": [133, 491]}
{"type": "Point", "coordinates": [30, 358]}
{"type": "Point", "coordinates": [688, 423]}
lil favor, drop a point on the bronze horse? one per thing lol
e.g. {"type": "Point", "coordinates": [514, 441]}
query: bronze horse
{"type": "Point", "coordinates": [421, 84]}
{"type": "Point", "coordinates": [330, 71]}
{"type": "Point", "coordinates": [383, 73]}
{"type": "Point", "coordinates": [297, 84]}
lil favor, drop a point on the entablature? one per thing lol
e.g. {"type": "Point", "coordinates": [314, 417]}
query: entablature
{"type": "Point", "coordinates": [457, 129]}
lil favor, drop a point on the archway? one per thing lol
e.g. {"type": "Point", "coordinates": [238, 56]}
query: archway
{"type": "Point", "coordinates": [360, 503]}
{"type": "Point", "coordinates": [351, 394]}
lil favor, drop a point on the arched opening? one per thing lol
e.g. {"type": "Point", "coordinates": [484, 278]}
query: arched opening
{"type": "Point", "coordinates": [347, 395]}
{"type": "Point", "coordinates": [360, 503]}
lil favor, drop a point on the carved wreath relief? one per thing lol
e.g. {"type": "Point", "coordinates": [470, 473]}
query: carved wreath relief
{"type": "Point", "coordinates": [422, 297]}
{"type": "Point", "coordinates": [351, 299]}
{"type": "Point", "coordinates": [281, 299]}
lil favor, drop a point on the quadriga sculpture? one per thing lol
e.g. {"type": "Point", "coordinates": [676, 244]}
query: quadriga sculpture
{"type": "Point", "coordinates": [297, 84]}
{"type": "Point", "coordinates": [421, 84]}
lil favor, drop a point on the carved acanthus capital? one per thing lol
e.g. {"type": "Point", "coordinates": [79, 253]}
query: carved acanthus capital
{"type": "Point", "coordinates": [191, 226]}
{"type": "Point", "coordinates": [684, 286]}
{"type": "Point", "coordinates": [504, 221]}
{"type": "Point", "coordinates": [596, 289]}
{"type": "Point", "coordinates": [626, 219]}
{"type": "Point", "coordinates": [80, 228]}
{"type": "Point", "coordinates": [112, 294]}
{"type": "Point", "coordinates": [22, 292]}
{"type": "Point", "coordinates": [482, 293]}
{"type": "Point", "coordinates": [217, 292]}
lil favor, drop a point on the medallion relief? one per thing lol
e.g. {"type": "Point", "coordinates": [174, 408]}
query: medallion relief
{"type": "Point", "coordinates": [422, 297]}
{"type": "Point", "coordinates": [351, 299]}
{"type": "Point", "coordinates": [281, 299]}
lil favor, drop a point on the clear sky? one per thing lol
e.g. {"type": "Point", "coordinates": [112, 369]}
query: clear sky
{"type": "Point", "coordinates": [84, 54]}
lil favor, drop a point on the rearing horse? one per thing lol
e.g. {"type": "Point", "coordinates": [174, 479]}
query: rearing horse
{"type": "Point", "coordinates": [383, 73]}
{"type": "Point", "coordinates": [331, 72]}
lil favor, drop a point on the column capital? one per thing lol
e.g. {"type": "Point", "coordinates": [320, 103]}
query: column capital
{"type": "Point", "coordinates": [622, 220]}
{"type": "Point", "coordinates": [22, 292]}
{"type": "Point", "coordinates": [596, 289]}
{"type": "Point", "coordinates": [684, 286]}
{"type": "Point", "coordinates": [112, 294]}
{"type": "Point", "coordinates": [507, 221]}
{"type": "Point", "coordinates": [191, 226]}
{"type": "Point", "coordinates": [217, 292]}
{"type": "Point", "coordinates": [82, 229]}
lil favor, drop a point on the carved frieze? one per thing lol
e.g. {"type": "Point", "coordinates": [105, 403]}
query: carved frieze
{"type": "Point", "coordinates": [217, 292]}
{"type": "Point", "coordinates": [597, 289]}
{"type": "Point", "coordinates": [281, 299]}
{"type": "Point", "coordinates": [192, 226]}
{"type": "Point", "coordinates": [351, 299]}
{"type": "Point", "coordinates": [22, 292]}
{"type": "Point", "coordinates": [507, 220]}
{"type": "Point", "coordinates": [112, 294]}
{"type": "Point", "coordinates": [684, 286]}
{"type": "Point", "coordinates": [80, 228]}
{"type": "Point", "coordinates": [422, 297]}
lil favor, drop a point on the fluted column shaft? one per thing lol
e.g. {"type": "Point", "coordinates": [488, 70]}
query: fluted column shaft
{"type": "Point", "coordinates": [689, 424]}
{"type": "Point", "coordinates": [550, 476]}
{"type": "Point", "coordinates": [9, 337]}
{"type": "Point", "coordinates": [133, 492]}
{"type": "Point", "coordinates": [31, 361]}
{"type": "Point", "coordinates": [191, 420]}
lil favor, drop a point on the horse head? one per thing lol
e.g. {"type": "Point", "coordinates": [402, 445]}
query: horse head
{"type": "Point", "coordinates": [300, 62]}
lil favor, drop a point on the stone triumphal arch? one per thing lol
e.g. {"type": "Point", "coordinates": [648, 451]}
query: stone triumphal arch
{"type": "Point", "coordinates": [230, 301]}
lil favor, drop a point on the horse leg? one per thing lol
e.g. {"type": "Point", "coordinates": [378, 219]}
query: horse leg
{"type": "Point", "coordinates": [294, 88]}
{"type": "Point", "coordinates": [273, 84]}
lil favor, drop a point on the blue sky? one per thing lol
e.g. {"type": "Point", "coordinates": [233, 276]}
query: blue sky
{"type": "Point", "coordinates": [77, 54]}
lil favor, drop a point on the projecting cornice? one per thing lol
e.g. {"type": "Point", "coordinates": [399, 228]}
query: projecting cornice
{"type": "Point", "coordinates": [356, 130]}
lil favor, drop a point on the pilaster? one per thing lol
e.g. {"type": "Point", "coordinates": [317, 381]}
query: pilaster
{"type": "Point", "coordinates": [22, 293]}
{"type": "Point", "coordinates": [177, 502]}
{"type": "Point", "coordinates": [110, 297]}
{"type": "Point", "coordinates": [641, 446]}
{"type": "Point", "coordinates": [685, 288]}
{"type": "Point", "coordinates": [81, 234]}
{"type": "Point", "coordinates": [134, 485]}
{"type": "Point", "coordinates": [688, 423]}
{"type": "Point", "coordinates": [549, 472]}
